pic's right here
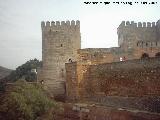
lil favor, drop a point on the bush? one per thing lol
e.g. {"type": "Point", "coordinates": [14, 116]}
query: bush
{"type": "Point", "coordinates": [25, 102]}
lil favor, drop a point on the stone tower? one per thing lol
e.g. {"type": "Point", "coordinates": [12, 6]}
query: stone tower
{"type": "Point", "coordinates": [60, 41]}
{"type": "Point", "coordinates": [130, 34]}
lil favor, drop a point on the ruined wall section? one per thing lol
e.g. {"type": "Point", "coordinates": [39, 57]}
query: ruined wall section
{"type": "Point", "coordinates": [71, 81]}
{"type": "Point", "coordinates": [76, 73]}
{"type": "Point", "coordinates": [60, 41]}
{"type": "Point", "coordinates": [129, 33]}
{"type": "Point", "coordinates": [94, 56]}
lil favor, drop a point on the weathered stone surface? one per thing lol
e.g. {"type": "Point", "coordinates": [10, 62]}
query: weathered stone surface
{"type": "Point", "coordinates": [134, 78]}
{"type": "Point", "coordinates": [61, 40]}
{"type": "Point", "coordinates": [59, 46]}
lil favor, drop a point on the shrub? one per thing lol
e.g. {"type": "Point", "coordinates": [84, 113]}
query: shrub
{"type": "Point", "coordinates": [25, 102]}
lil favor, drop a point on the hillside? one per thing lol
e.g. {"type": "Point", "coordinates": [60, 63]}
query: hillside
{"type": "Point", "coordinates": [4, 72]}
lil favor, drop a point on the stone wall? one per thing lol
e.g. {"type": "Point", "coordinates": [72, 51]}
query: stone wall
{"type": "Point", "coordinates": [128, 78]}
{"type": "Point", "coordinates": [134, 78]}
{"type": "Point", "coordinates": [129, 33]}
{"type": "Point", "coordinates": [93, 56]}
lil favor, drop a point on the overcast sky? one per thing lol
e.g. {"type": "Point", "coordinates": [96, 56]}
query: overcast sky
{"type": "Point", "coordinates": [20, 24]}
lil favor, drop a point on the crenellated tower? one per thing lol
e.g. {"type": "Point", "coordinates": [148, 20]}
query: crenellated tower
{"type": "Point", "coordinates": [132, 35]}
{"type": "Point", "coordinates": [60, 41]}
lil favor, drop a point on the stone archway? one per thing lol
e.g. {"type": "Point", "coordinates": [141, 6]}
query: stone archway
{"type": "Point", "coordinates": [144, 56]}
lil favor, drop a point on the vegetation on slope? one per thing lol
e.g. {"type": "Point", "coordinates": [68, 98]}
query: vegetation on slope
{"type": "Point", "coordinates": [24, 71]}
{"type": "Point", "coordinates": [25, 101]}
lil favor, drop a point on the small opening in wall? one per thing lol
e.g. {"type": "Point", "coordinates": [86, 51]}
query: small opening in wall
{"type": "Point", "coordinates": [42, 81]}
{"type": "Point", "coordinates": [156, 43]}
{"type": "Point", "coordinates": [144, 56]}
{"type": "Point", "coordinates": [70, 60]}
{"type": "Point", "coordinates": [137, 44]}
{"type": "Point", "coordinates": [61, 45]}
{"type": "Point", "coordinates": [142, 44]}
{"type": "Point", "coordinates": [146, 44]}
{"type": "Point", "coordinates": [62, 73]}
{"type": "Point", "coordinates": [50, 31]}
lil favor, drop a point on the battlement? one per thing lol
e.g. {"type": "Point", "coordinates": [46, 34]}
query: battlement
{"type": "Point", "coordinates": [139, 24]}
{"type": "Point", "coordinates": [143, 44]}
{"type": "Point", "coordinates": [60, 25]}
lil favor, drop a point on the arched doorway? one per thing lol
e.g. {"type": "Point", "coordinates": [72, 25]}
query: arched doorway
{"type": "Point", "coordinates": [144, 56]}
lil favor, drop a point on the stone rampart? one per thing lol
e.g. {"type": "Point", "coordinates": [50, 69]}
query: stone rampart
{"type": "Point", "coordinates": [133, 78]}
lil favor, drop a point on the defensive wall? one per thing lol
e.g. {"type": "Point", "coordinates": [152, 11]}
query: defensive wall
{"type": "Point", "coordinates": [133, 78]}
{"type": "Point", "coordinates": [133, 81]}
{"type": "Point", "coordinates": [129, 33]}
{"type": "Point", "coordinates": [92, 56]}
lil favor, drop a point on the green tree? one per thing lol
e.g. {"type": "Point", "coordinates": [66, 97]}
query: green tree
{"type": "Point", "coordinates": [25, 102]}
{"type": "Point", "coordinates": [24, 71]}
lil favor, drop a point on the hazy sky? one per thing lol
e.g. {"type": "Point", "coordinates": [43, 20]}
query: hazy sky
{"type": "Point", "coordinates": [20, 24]}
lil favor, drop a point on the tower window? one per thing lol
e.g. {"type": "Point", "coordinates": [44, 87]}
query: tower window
{"type": "Point", "coordinates": [156, 43]}
{"type": "Point", "coordinates": [50, 31]}
{"type": "Point", "coordinates": [62, 73]}
{"type": "Point", "coordinates": [61, 45]}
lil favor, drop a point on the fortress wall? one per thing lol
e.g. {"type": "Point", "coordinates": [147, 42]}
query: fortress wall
{"type": "Point", "coordinates": [75, 74]}
{"type": "Point", "coordinates": [133, 32]}
{"type": "Point", "coordinates": [99, 55]}
{"type": "Point", "coordinates": [71, 81]}
{"type": "Point", "coordinates": [93, 56]}
{"type": "Point", "coordinates": [134, 78]}
{"type": "Point", "coordinates": [129, 78]}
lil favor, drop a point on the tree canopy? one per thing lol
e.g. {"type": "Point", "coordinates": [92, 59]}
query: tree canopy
{"type": "Point", "coordinates": [24, 71]}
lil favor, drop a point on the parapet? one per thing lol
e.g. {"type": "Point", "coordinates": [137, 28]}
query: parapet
{"type": "Point", "coordinates": [140, 24]}
{"type": "Point", "coordinates": [60, 25]}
